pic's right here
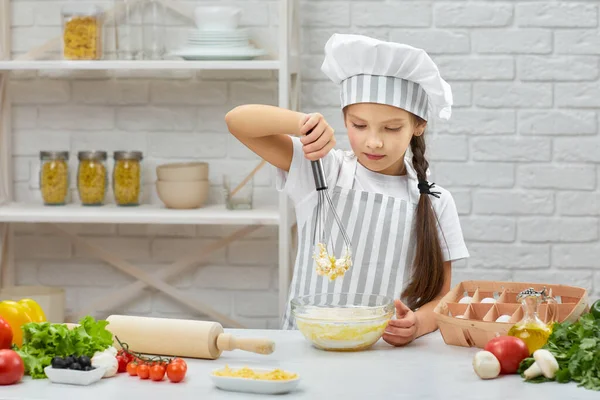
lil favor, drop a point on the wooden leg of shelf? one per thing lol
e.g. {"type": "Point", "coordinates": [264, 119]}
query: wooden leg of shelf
{"type": "Point", "coordinates": [7, 262]}
{"type": "Point", "coordinates": [5, 141]}
{"type": "Point", "coordinates": [149, 279]}
{"type": "Point", "coordinates": [132, 290]}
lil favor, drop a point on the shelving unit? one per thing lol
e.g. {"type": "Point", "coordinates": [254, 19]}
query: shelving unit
{"type": "Point", "coordinates": [281, 215]}
{"type": "Point", "coordinates": [110, 65]}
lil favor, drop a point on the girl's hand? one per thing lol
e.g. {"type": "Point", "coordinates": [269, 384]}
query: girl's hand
{"type": "Point", "coordinates": [403, 329]}
{"type": "Point", "coordinates": [316, 136]}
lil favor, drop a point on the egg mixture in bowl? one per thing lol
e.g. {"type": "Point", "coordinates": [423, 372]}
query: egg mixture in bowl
{"type": "Point", "coordinates": [342, 322]}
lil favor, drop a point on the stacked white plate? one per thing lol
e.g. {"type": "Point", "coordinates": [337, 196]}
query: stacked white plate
{"type": "Point", "coordinates": [218, 45]}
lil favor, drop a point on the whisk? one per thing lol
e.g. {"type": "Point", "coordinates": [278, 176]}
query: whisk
{"type": "Point", "coordinates": [327, 264]}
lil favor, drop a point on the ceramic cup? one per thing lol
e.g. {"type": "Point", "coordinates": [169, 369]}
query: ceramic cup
{"type": "Point", "coordinates": [217, 18]}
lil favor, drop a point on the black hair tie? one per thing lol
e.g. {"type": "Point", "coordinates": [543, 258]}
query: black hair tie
{"type": "Point", "coordinates": [425, 188]}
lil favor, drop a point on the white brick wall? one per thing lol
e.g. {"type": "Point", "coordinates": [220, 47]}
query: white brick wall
{"type": "Point", "coordinates": [521, 154]}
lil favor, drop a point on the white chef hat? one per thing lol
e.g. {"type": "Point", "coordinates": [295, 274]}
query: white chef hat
{"type": "Point", "coordinates": [374, 71]}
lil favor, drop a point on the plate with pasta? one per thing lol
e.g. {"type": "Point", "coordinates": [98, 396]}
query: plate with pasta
{"type": "Point", "coordinates": [255, 380]}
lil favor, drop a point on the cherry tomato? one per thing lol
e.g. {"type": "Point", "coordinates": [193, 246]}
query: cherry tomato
{"type": "Point", "coordinates": [132, 368]}
{"type": "Point", "coordinates": [122, 364]}
{"type": "Point", "coordinates": [509, 351]}
{"type": "Point", "coordinates": [11, 367]}
{"type": "Point", "coordinates": [127, 356]}
{"type": "Point", "coordinates": [180, 361]}
{"type": "Point", "coordinates": [6, 334]}
{"type": "Point", "coordinates": [143, 371]}
{"type": "Point", "coordinates": [157, 372]}
{"type": "Point", "coordinates": [176, 372]}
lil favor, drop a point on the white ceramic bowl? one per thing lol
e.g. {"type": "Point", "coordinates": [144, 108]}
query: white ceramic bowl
{"type": "Point", "coordinates": [183, 195]}
{"type": "Point", "coordinates": [217, 18]}
{"type": "Point", "coordinates": [246, 385]}
{"type": "Point", "coordinates": [342, 322]}
{"type": "Point", "coordinates": [74, 377]}
{"type": "Point", "coordinates": [183, 171]}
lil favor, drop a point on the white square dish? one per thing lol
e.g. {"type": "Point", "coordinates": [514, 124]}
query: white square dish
{"type": "Point", "coordinates": [74, 377]}
{"type": "Point", "coordinates": [248, 385]}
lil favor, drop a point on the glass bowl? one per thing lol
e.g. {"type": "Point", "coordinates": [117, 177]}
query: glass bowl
{"type": "Point", "coordinates": [342, 321]}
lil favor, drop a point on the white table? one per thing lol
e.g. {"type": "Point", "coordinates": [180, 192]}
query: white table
{"type": "Point", "coordinates": [426, 369]}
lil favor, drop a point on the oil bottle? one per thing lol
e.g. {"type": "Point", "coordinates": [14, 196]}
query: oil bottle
{"type": "Point", "coordinates": [531, 329]}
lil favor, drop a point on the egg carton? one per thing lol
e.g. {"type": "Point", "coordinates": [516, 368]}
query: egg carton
{"type": "Point", "coordinates": [474, 312]}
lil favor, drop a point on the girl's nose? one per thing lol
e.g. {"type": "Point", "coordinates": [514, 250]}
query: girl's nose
{"type": "Point", "coordinates": [374, 141]}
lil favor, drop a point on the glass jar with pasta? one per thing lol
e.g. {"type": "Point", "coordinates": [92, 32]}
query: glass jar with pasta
{"type": "Point", "coordinates": [127, 177]}
{"type": "Point", "coordinates": [54, 177]}
{"type": "Point", "coordinates": [82, 32]}
{"type": "Point", "coordinates": [92, 177]}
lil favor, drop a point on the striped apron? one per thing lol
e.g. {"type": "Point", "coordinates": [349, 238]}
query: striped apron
{"type": "Point", "coordinates": [379, 228]}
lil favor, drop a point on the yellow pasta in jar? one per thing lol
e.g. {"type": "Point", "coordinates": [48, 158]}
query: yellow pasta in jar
{"type": "Point", "coordinates": [82, 35]}
{"type": "Point", "coordinates": [54, 183]}
{"type": "Point", "coordinates": [245, 372]}
{"type": "Point", "coordinates": [91, 178]}
{"type": "Point", "coordinates": [127, 176]}
{"type": "Point", "coordinates": [126, 182]}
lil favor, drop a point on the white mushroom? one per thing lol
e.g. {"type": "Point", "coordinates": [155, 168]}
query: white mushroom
{"type": "Point", "coordinates": [486, 365]}
{"type": "Point", "coordinates": [545, 364]}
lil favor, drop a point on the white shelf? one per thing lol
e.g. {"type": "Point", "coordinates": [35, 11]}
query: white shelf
{"type": "Point", "coordinates": [144, 214]}
{"type": "Point", "coordinates": [16, 65]}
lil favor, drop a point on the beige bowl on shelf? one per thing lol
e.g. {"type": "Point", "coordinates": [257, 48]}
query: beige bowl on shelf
{"type": "Point", "coordinates": [182, 172]}
{"type": "Point", "coordinates": [183, 195]}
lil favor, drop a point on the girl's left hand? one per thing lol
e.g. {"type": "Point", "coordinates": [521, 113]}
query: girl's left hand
{"type": "Point", "coordinates": [403, 329]}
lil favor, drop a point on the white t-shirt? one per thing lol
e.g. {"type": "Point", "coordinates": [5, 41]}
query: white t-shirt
{"type": "Point", "coordinates": [299, 185]}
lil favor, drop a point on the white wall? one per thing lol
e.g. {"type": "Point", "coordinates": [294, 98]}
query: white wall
{"type": "Point", "coordinates": [521, 153]}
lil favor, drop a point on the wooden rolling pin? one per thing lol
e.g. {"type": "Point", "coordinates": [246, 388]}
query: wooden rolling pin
{"type": "Point", "coordinates": [180, 337]}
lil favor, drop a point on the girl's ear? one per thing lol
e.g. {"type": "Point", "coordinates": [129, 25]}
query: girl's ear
{"type": "Point", "coordinates": [420, 129]}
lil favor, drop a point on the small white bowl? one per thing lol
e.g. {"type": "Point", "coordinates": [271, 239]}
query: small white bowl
{"type": "Point", "coordinates": [217, 18]}
{"type": "Point", "coordinates": [74, 377]}
{"type": "Point", "coordinates": [235, 384]}
{"type": "Point", "coordinates": [183, 195]}
{"type": "Point", "coordinates": [182, 171]}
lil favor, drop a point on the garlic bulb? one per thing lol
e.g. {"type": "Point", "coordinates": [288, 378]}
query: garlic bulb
{"type": "Point", "coordinates": [105, 359]}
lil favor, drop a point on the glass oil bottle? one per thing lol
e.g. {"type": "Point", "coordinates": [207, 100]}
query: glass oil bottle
{"type": "Point", "coordinates": [531, 329]}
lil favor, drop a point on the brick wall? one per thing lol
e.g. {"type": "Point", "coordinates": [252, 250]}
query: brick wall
{"type": "Point", "coordinates": [521, 153]}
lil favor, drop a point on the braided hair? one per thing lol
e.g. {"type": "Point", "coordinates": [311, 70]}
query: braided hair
{"type": "Point", "coordinates": [428, 267]}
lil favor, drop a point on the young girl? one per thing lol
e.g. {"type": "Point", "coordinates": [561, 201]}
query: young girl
{"type": "Point", "coordinates": [404, 231]}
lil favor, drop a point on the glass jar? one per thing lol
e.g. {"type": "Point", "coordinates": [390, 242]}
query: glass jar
{"type": "Point", "coordinates": [531, 329]}
{"type": "Point", "coordinates": [92, 178]}
{"type": "Point", "coordinates": [154, 25]}
{"type": "Point", "coordinates": [82, 32]}
{"type": "Point", "coordinates": [128, 31]}
{"type": "Point", "coordinates": [54, 177]}
{"type": "Point", "coordinates": [127, 177]}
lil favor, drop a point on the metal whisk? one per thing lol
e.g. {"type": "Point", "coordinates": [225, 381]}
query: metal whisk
{"type": "Point", "coordinates": [328, 264]}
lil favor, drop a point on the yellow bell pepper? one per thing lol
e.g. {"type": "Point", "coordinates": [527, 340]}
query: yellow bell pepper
{"type": "Point", "coordinates": [16, 315]}
{"type": "Point", "coordinates": [33, 309]}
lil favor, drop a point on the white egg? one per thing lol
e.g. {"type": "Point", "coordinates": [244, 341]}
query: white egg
{"type": "Point", "coordinates": [460, 316]}
{"type": "Point", "coordinates": [503, 318]}
{"type": "Point", "coordinates": [488, 300]}
{"type": "Point", "coordinates": [466, 299]}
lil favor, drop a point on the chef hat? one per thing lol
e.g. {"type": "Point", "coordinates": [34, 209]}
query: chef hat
{"type": "Point", "coordinates": [374, 71]}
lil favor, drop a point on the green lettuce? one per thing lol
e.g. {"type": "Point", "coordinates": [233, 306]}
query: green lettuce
{"type": "Point", "coordinates": [43, 341]}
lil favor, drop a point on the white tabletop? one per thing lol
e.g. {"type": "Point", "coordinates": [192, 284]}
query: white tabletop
{"type": "Point", "coordinates": [426, 369]}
